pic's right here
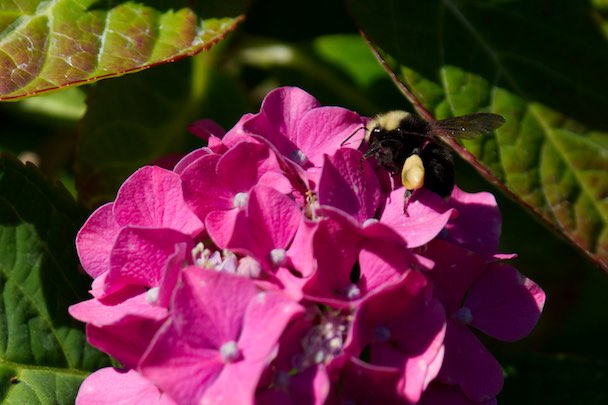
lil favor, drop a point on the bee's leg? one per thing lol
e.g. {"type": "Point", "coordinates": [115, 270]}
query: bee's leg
{"type": "Point", "coordinates": [406, 201]}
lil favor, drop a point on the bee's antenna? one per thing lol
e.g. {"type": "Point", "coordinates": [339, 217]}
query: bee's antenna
{"type": "Point", "coordinates": [351, 135]}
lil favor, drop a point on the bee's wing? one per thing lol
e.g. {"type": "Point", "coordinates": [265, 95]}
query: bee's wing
{"type": "Point", "coordinates": [467, 126]}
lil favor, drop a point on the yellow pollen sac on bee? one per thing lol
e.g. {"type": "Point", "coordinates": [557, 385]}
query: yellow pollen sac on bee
{"type": "Point", "coordinates": [412, 174]}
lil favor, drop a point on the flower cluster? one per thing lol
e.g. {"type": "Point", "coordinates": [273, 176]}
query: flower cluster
{"type": "Point", "coordinates": [275, 266]}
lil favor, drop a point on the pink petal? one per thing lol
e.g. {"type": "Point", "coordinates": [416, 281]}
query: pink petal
{"type": "Point", "coordinates": [468, 363]}
{"type": "Point", "coordinates": [322, 131]}
{"type": "Point", "coordinates": [300, 251]}
{"type": "Point", "coordinates": [203, 190]}
{"type": "Point", "coordinates": [275, 214]}
{"type": "Point", "coordinates": [237, 134]}
{"type": "Point", "coordinates": [337, 244]}
{"type": "Point", "coordinates": [95, 240]}
{"type": "Point", "coordinates": [126, 340]}
{"type": "Point", "coordinates": [210, 309]}
{"type": "Point", "coordinates": [210, 306]}
{"type": "Point", "coordinates": [222, 225]}
{"type": "Point", "coordinates": [116, 308]}
{"type": "Point", "coordinates": [455, 270]}
{"type": "Point", "coordinates": [140, 256]}
{"type": "Point", "coordinates": [276, 180]}
{"type": "Point", "coordinates": [383, 255]}
{"type": "Point", "coordinates": [189, 158]}
{"type": "Point", "coordinates": [271, 222]}
{"type": "Point", "coordinates": [278, 120]}
{"type": "Point", "coordinates": [336, 247]}
{"type": "Point", "coordinates": [310, 387]}
{"type": "Point", "coordinates": [504, 304]}
{"type": "Point", "coordinates": [242, 166]}
{"type": "Point", "coordinates": [442, 394]}
{"type": "Point", "coordinates": [153, 197]}
{"type": "Point", "coordinates": [345, 186]}
{"type": "Point", "coordinates": [170, 274]}
{"type": "Point", "coordinates": [182, 371]}
{"type": "Point", "coordinates": [477, 226]}
{"type": "Point", "coordinates": [377, 270]}
{"type": "Point", "coordinates": [265, 320]}
{"type": "Point", "coordinates": [364, 383]}
{"type": "Point", "coordinates": [120, 326]}
{"type": "Point", "coordinates": [415, 324]}
{"type": "Point", "coordinates": [266, 317]}
{"type": "Point", "coordinates": [109, 386]}
{"type": "Point", "coordinates": [427, 215]}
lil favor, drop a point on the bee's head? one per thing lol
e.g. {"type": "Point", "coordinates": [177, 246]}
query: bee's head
{"type": "Point", "coordinates": [385, 123]}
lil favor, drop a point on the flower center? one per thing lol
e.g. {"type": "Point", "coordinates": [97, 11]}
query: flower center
{"type": "Point", "coordinates": [230, 352]}
{"type": "Point", "coordinates": [383, 334]}
{"type": "Point", "coordinates": [152, 295]}
{"type": "Point", "coordinates": [278, 257]}
{"type": "Point", "coordinates": [240, 200]}
{"type": "Point", "coordinates": [281, 380]}
{"type": "Point", "coordinates": [353, 292]}
{"type": "Point", "coordinates": [463, 315]}
{"type": "Point", "coordinates": [324, 341]}
{"type": "Point", "coordinates": [206, 259]}
{"type": "Point", "coordinates": [249, 267]}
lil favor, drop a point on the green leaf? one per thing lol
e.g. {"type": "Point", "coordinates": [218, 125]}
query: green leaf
{"type": "Point", "coordinates": [134, 120]}
{"type": "Point", "coordinates": [43, 351]}
{"type": "Point", "coordinates": [540, 65]}
{"type": "Point", "coordinates": [46, 45]}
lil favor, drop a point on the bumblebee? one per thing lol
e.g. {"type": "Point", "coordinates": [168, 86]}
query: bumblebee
{"type": "Point", "coordinates": [407, 143]}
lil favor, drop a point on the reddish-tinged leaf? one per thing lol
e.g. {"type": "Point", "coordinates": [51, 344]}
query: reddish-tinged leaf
{"type": "Point", "coordinates": [46, 45]}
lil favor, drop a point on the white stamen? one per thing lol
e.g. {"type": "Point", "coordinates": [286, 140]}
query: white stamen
{"type": "Point", "coordinates": [152, 295]}
{"type": "Point", "coordinates": [230, 262]}
{"type": "Point", "coordinates": [249, 267]}
{"type": "Point", "coordinates": [230, 352]}
{"type": "Point", "coordinates": [369, 221]}
{"type": "Point", "coordinates": [353, 292]}
{"type": "Point", "coordinates": [324, 341]}
{"type": "Point", "coordinates": [240, 200]}
{"type": "Point", "coordinates": [278, 257]}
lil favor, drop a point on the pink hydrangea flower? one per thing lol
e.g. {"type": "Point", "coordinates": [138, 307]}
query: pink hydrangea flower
{"type": "Point", "coordinates": [489, 296]}
{"type": "Point", "coordinates": [403, 328]}
{"type": "Point", "coordinates": [219, 340]}
{"type": "Point", "coordinates": [274, 266]}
